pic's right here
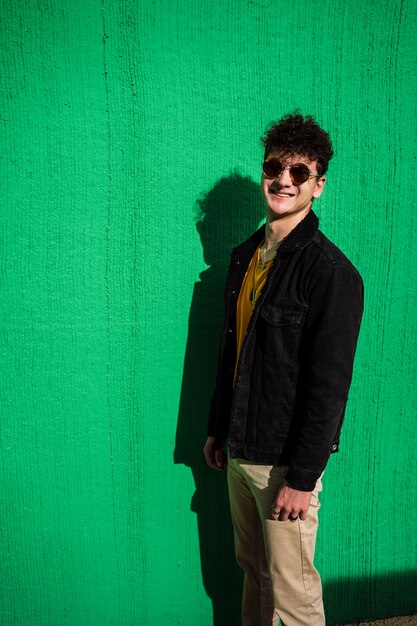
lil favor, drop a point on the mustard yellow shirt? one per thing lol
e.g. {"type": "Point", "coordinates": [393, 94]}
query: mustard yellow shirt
{"type": "Point", "coordinates": [250, 291]}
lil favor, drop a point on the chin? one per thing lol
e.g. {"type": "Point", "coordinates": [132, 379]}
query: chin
{"type": "Point", "coordinates": [279, 211]}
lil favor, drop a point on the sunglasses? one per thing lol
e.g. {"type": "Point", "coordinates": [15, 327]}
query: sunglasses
{"type": "Point", "coordinates": [299, 173]}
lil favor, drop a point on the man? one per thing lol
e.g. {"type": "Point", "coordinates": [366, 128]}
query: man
{"type": "Point", "coordinates": [293, 307]}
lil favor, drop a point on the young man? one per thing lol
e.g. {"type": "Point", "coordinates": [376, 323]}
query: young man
{"type": "Point", "coordinates": [293, 307]}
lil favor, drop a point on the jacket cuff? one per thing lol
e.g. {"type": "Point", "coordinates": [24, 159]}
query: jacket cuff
{"type": "Point", "coordinates": [218, 441]}
{"type": "Point", "coordinates": [301, 480]}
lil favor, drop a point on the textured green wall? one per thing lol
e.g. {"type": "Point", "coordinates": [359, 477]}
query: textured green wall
{"type": "Point", "coordinates": [130, 165]}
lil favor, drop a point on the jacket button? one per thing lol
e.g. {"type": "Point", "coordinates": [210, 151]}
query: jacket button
{"type": "Point", "coordinates": [233, 292]}
{"type": "Point", "coordinates": [230, 330]}
{"type": "Point", "coordinates": [334, 447]}
{"type": "Point", "coordinates": [238, 262]}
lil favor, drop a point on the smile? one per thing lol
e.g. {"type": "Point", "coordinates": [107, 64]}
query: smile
{"type": "Point", "coordinates": [281, 194]}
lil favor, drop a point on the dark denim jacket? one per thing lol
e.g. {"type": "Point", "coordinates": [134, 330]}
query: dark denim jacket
{"type": "Point", "coordinates": [292, 381]}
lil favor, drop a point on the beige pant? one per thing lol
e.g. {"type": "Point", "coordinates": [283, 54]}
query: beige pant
{"type": "Point", "coordinates": [280, 580]}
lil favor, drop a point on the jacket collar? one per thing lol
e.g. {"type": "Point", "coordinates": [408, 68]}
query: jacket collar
{"type": "Point", "coordinates": [298, 238]}
{"type": "Point", "coordinates": [301, 235]}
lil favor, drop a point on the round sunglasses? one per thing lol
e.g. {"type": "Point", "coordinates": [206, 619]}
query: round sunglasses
{"type": "Point", "coordinates": [299, 172]}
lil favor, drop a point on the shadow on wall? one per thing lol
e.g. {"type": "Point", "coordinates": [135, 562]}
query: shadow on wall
{"type": "Point", "coordinates": [350, 600]}
{"type": "Point", "coordinates": [226, 216]}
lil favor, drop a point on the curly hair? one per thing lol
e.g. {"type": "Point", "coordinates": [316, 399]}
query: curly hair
{"type": "Point", "coordinates": [295, 134]}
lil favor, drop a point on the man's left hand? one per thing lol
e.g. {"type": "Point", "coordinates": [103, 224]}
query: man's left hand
{"type": "Point", "coordinates": [290, 504]}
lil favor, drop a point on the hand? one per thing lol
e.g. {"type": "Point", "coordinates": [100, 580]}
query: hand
{"type": "Point", "coordinates": [290, 504]}
{"type": "Point", "coordinates": [216, 459]}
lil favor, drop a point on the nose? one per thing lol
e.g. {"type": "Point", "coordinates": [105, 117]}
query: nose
{"type": "Point", "coordinates": [283, 178]}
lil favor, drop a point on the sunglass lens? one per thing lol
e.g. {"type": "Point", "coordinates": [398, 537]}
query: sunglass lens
{"type": "Point", "coordinates": [299, 174]}
{"type": "Point", "coordinates": [271, 168]}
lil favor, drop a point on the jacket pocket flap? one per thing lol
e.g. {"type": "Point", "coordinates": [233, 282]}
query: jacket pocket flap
{"type": "Point", "coordinates": [288, 315]}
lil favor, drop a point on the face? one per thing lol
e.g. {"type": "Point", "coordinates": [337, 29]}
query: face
{"type": "Point", "coordinates": [285, 199]}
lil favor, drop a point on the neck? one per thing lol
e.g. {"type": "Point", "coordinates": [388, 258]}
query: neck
{"type": "Point", "coordinates": [277, 229]}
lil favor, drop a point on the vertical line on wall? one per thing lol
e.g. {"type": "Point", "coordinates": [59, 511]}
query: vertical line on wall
{"type": "Point", "coordinates": [107, 271]}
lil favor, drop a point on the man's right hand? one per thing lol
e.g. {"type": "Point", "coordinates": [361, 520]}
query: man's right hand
{"type": "Point", "coordinates": [216, 459]}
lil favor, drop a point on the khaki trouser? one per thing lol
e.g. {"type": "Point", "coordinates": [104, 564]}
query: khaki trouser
{"type": "Point", "coordinates": [280, 579]}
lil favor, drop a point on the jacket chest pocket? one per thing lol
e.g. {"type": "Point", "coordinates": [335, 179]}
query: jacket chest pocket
{"type": "Point", "coordinates": [280, 328]}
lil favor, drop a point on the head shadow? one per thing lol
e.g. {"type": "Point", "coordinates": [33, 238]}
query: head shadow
{"type": "Point", "coordinates": [225, 216]}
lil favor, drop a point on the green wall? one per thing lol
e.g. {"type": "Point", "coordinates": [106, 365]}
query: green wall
{"type": "Point", "coordinates": [130, 165]}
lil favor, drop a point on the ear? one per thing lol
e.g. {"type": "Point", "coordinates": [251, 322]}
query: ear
{"type": "Point", "coordinates": [318, 190]}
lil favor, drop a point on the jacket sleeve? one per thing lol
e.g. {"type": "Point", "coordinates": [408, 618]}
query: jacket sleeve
{"type": "Point", "coordinates": [328, 347]}
{"type": "Point", "coordinates": [219, 413]}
